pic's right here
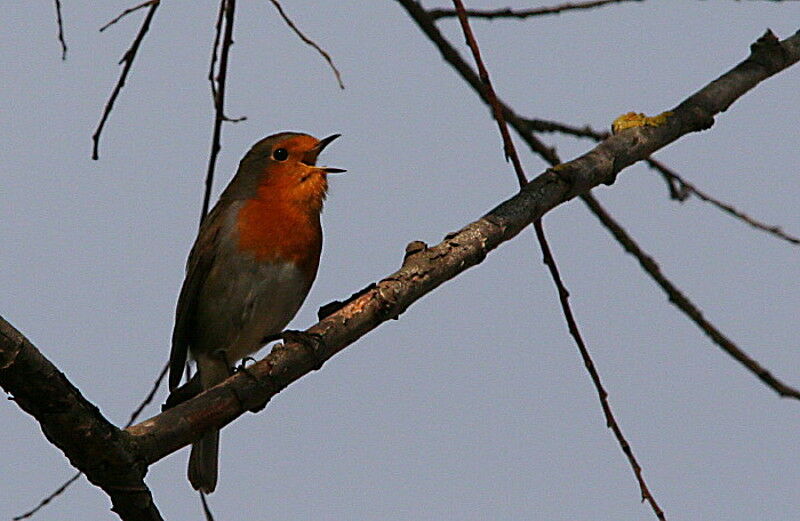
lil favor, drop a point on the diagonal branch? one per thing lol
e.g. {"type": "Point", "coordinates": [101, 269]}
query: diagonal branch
{"type": "Point", "coordinates": [424, 268]}
{"type": "Point", "coordinates": [521, 14]}
{"type": "Point", "coordinates": [710, 94]}
{"type": "Point", "coordinates": [104, 453]}
{"type": "Point", "coordinates": [677, 298]}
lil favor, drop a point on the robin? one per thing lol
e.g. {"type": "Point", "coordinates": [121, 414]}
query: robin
{"type": "Point", "coordinates": [251, 267]}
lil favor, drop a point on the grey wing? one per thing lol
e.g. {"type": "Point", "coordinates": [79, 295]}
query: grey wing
{"type": "Point", "coordinates": [198, 266]}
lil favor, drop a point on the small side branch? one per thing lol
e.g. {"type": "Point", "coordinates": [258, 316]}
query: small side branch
{"type": "Point", "coordinates": [521, 14]}
{"type": "Point", "coordinates": [127, 60]}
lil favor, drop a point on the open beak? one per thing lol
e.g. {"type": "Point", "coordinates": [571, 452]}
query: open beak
{"type": "Point", "coordinates": [311, 155]}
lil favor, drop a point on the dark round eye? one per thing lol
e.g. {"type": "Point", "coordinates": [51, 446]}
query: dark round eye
{"type": "Point", "coordinates": [280, 155]}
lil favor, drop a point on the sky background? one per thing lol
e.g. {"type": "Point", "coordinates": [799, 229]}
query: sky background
{"type": "Point", "coordinates": [475, 404]}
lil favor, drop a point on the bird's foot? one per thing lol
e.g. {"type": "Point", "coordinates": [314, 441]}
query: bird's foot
{"type": "Point", "coordinates": [313, 342]}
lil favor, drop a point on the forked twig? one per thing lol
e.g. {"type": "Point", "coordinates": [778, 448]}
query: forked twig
{"type": "Point", "coordinates": [127, 59]}
{"type": "Point", "coordinates": [310, 42]}
{"type": "Point", "coordinates": [549, 260]}
{"type": "Point", "coordinates": [126, 12]}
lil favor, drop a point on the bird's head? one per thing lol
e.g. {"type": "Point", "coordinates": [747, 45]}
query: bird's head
{"type": "Point", "coordinates": [284, 165]}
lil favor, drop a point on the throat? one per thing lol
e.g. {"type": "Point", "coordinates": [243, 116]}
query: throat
{"type": "Point", "coordinates": [275, 230]}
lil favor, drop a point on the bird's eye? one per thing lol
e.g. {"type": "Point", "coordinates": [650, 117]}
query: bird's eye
{"type": "Point", "coordinates": [280, 155]}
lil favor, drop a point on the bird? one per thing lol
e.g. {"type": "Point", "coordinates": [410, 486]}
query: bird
{"type": "Point", "coordinates": [250, 269]}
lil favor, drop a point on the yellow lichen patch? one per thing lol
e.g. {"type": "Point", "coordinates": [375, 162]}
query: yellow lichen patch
{"type": "Point", "coordinates": [634, 119]}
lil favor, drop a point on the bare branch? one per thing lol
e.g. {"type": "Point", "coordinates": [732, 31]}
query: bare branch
{"type": "Point", "coordinates": [524, 13]}
{"type": "Point", "coordinates": [523, 126]}
{"type": "Point", "coordinates": [424, 269]}
{"type": "Point", "coordinates": [127, 59]}
{"type": "Point", "coordinates": [684, 304]}
{"type": "Point", "coordinates": [104, 453]}
{"type": "Point", "coordinates": [611, 422]}
{"type": "Point", "coordinates": [310, 42]}
{"type": "Point", "coordinates": [60, 22]}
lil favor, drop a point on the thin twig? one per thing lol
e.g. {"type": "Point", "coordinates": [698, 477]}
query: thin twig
{"type": "Point", "coordinates": [549, 260]}
{"type": "Point", "coordinates": [61, 31]}
{"type": "Point", "coordinates": [310, 42]}
{"type": "Point", "coordinates": [149, 398]}
{"type": "Point", "coordinates": [683, 303]}
{"type": "Point", "coordinates": [126, 12]}
{"type": "Point", "coordinates": [229, 8]}
{"type": "Point", "coordinates": [689, 188]}
{"type": "Point", "coordinates": [127, 59]}
{"type": "Point", "coordinates": [523, 13]}
{"type": "Point", "coordinates": [679, 188]}
{"type": "Point", "coordinates": [497, 111]}
{"type": "Point", "coordinates": [611, 423]}
{"type": "Point", "coordinates": [57, 492]}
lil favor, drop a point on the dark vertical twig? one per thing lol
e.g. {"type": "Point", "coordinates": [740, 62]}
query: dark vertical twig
{"type": "Point", "coordinates": [60, 22]}
{"type": "Point", "coordinates": [310, 42]}
{"type": "Point", "coordinates": [127, 59]}
{"type": "Point", "coordinates": [549, 260]}
{"type": "Point", "coordinates": [229, 8]}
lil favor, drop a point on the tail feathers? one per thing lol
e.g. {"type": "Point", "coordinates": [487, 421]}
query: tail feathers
{"type": "Point", "coordinates": [203, 463]}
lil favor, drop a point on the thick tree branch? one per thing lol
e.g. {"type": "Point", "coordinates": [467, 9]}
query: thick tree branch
{"type": "Point", "coordinates": [425, 268]}
{"type": "Point", "coordinates": [104, 453]}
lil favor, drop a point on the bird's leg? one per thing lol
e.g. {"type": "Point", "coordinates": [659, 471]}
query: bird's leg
{"type": "Point", "coordinates": [222, 354]}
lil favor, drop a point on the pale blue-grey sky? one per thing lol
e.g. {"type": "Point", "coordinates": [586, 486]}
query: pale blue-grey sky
{"type": "Point", "coordinates": [475, 404]}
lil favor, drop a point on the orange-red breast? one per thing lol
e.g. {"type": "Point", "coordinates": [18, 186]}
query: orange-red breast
{"type": "Point", "coordinates": [250, 268]}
